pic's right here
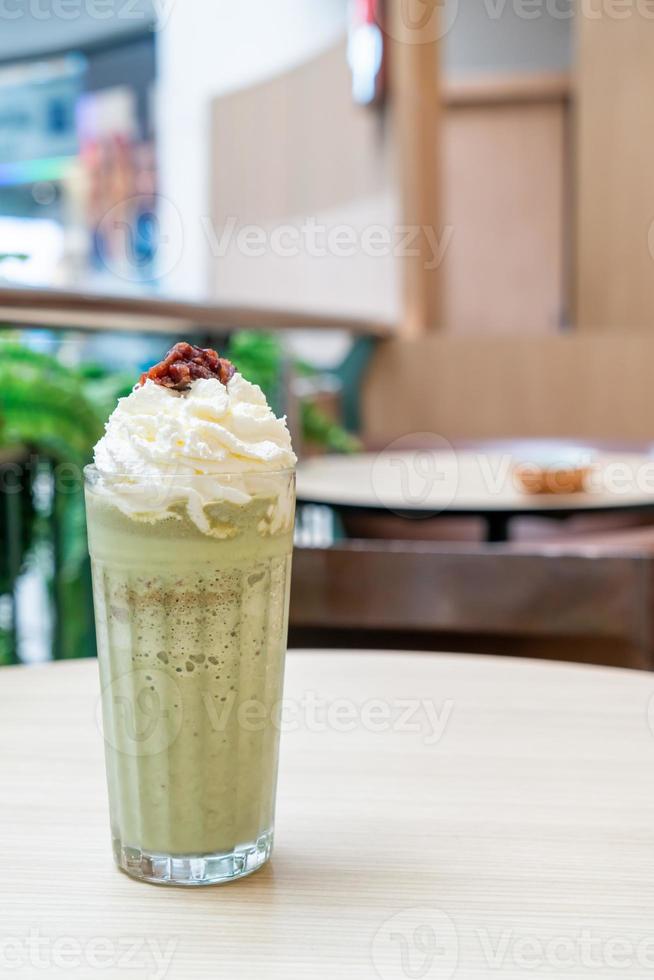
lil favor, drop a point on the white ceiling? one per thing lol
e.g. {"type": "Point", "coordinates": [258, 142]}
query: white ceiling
{"type": "Point", "coordinates": [34, 28]}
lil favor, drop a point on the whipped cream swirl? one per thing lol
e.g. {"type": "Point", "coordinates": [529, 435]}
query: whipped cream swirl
{"type": "Point", "coordinates": [212, 444]}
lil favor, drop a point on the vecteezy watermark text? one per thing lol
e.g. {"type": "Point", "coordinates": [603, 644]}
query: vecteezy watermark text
{"type": "Point", "coordinates": [427, 21]}
{"type": "Point", "coordinates": [567, 9]}
{"type": "Point", "coordinates": [318, 240]}
{"type": "Point", "coordinates": [420, 473]}
{"type": "Point", "coordinates": [68, 954]}
{"type": "Point", "coordinates": [423, 943]}
{"type": "Point", "coordinates": [126, 11]}
{"type": "Point", "coordinates": [584, 949]}
{"type": "Point", "coordinates": [143, 713]}
{"type": "Point", "coordinates": [317, 714]}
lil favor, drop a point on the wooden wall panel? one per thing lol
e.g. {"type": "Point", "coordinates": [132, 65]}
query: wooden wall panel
{"type": "Point", "coordinates": [297, 146]}
{"type": "Point", "coordinates": [504, 265]}
{"type": "Point", "coordinates": [615, 171]}
{"type": "Point", "coordinates": [576, 386]}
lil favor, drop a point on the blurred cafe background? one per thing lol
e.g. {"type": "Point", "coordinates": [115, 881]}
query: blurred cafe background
{"type": "Point", "coordinates": [425, 227]}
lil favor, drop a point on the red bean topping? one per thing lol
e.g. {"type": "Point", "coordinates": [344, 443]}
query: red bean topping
{"type": "Point", "coordinates": [184, 364]}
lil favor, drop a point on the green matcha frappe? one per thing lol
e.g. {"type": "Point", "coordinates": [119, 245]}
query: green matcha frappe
{"type": "Point", "coordinates": [190, 510]}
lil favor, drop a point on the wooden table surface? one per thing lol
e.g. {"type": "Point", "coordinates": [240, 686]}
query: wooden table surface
{"type": "Point", "coordinates": [472, 483]}
{"type": "Point", "coordinates": [508, 833]}
{"type": "Point", "coordinates": [468, 482]}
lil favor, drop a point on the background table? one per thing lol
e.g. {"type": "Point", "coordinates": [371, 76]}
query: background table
{"type": "Point", "coordinates": [471, 483]}
{"type": "Point", "coordinates": [528, 826]}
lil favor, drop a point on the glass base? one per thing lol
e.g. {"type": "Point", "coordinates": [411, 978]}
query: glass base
{"type": "Point", "coordinates": [193, 870]}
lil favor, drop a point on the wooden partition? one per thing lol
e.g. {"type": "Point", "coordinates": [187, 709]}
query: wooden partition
{"type": "Point", "coordinates": [576, 386]}
{"type": "Point", "coordinates": [615, 172]}
{"type": "Point", "coordinates": [507, 161]}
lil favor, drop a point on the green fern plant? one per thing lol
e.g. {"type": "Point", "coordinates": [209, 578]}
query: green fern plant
{"type": "Point", "coordinates": [45, 408]}
{"type": "Point", "coordinates": [44, 404]}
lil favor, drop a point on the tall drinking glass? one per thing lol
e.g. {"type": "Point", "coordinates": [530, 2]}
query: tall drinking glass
{"type": "Point", "coordinates": [192, 629]}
